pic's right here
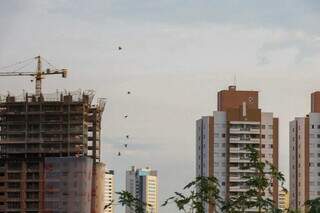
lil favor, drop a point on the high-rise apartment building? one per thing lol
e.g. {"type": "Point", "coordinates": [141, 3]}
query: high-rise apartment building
{"type": "Point", "coordinates": [143, 184]}
{"type": "Point", "coordinates": [222, 137]}
{"type": "Point", "coordinates": [109, 191]}
{"type": "Point", "coordinates": [34, 128]}
{"type": "Point", "coordinates": [305, 156]}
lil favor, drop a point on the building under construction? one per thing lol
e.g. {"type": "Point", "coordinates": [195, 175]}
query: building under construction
{"type": "Point", "coordinates": [33, 128]}
{"type": "Point", "coordinates": [47, 138]}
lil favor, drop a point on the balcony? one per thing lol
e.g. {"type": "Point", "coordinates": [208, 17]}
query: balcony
{"type": "Point", "coordinates": [244, 130]}
{"type": "Point", "coordinates": [238, 160]}
{"type": "Point", "coordinates": [238, 170]}
{"type": "Point", "coordinates": [236, 179]}
{"type": "Point", "coordinates": [238, 188]}
{"type": "Point", "coordinates": [244, 140]}
{"type": "Point", "coordinates": [238, 150]}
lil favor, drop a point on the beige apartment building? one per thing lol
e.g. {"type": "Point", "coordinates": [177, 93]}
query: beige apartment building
{"type": "Point", "coordinates": [305, 156]}
{"type": "Point", "coordinates": [221, 139]}
{"type": "Point", "coordinates": [143, 184]}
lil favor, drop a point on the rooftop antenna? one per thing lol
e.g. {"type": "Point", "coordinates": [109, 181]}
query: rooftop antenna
{"type": "Point", "coordinates": [235, 79]}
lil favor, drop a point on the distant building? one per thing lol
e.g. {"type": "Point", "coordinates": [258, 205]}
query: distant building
{"type": "Point", "coordinates": [305, 156]}
{"type": "Point", "coordinates": [109, 191]}
{"type": "Point", "coordinates": [143, 184]}
{"type": "Point", "coordinates": [283, 199]}
{"type": "Point", "coordinates": [222, 137]}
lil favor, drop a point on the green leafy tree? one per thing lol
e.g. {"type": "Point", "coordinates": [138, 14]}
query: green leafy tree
{"type": "Point", "coordinates": [313, 205]}
{"type": "Point", "coordinates": [263, 177]}
{"type": "Point", "coordinates": [130, 201]}
{"type": "Point", "coordinates": [201, 191]}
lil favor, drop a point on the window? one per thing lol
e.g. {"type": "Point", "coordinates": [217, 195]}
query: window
{"type": "Point", "coordinates": [318, 135]}
{"type": "Point", "coordinates": [263, 146]}
{"type": "Point", "coordinates": [270, 126]}
{"type": "Point", "coordinates": [311, 135]}
{"type": "Point", "coordinates": [223, 135]}
{"type": "Point", "coordinates": [263, 136]}
{"type": "Point", "coordinates": [223, 154]}
{"type": "Point", "coordinates": [312, 126]}
{"type": "Point", "coordinates": [263, 126]}
{"type": "Point", "coordinates": [223, 183]}
{"type": "Point", "coordinates": [318, 126]}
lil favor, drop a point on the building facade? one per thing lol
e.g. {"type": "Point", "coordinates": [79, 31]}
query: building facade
{"type": "Point", "coordinates": [67, 184]}
{"type": "Point", "coordinates": [33, 128]}
{"type": "Point", "coordinates": [143, 184]}
{"type": "Point", "coordinates": [109, 191]}
{"type": "Point", "coordinates": [222, 137]}
{"type": "Point", "coordinates": [283, 202]}
{"type": "Point", "coordinates": [305, 156]}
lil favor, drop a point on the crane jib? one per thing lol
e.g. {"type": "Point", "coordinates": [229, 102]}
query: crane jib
{"type": "Point", "coordinates": [38, 74]}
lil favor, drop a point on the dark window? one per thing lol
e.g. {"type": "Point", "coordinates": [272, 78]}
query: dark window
{"type": "Point", "coordinates": [263, 136]}
{"type": "Point", "coordinates": [312, 126]}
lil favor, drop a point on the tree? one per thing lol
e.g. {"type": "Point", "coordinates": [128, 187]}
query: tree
{"type": "Point", "coordinates": [201, 191]}
{"type": "Point", "coordinates": [263, 178]}
{"type": "Point", "coordinates": [313, 205]}
{"type": "Point", "coordinates": [130, 201]}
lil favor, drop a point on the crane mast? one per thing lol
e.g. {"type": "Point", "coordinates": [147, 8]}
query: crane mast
{"type": "Point", "coordinates": [38, 74]}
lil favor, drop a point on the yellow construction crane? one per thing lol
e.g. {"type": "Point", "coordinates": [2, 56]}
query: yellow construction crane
{"type": "Point", "coordinates": [38, 74]}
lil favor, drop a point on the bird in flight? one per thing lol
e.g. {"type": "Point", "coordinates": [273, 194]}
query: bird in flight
{"type": "Point", "coordinates": [126, 145]}
{"type": "Point", "coordinates": [126, 116]}
{"type": "Point", "coordinates": [128, 92]}
{"type": "Point", "coordinates": [119, 48]}
{"type": "Point", "coordinates": [119, 153]}
{"type": "Point", "coordinates": [127, 136]}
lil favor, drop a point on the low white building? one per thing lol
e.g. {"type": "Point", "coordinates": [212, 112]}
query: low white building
{"type": "Point", "coordinates": [109, 191]}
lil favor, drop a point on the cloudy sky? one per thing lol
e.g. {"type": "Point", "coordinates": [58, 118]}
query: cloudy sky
{"type": "Point", "coordinates": [177, 54]}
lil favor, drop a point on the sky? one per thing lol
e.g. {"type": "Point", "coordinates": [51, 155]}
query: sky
{"type": "Point", "coordinates": [176, 55]}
